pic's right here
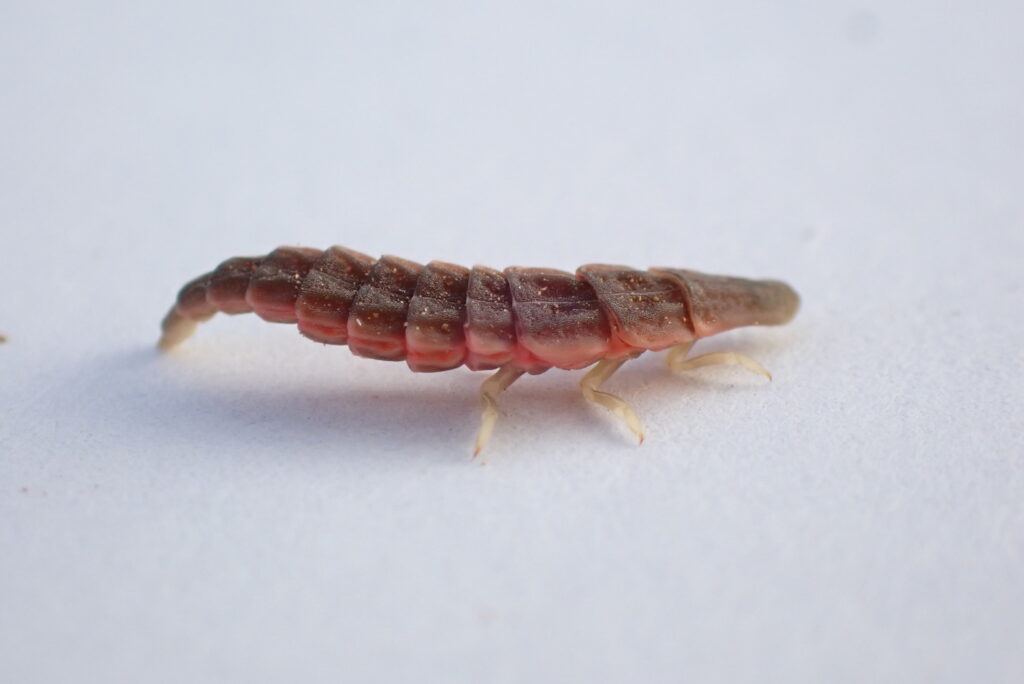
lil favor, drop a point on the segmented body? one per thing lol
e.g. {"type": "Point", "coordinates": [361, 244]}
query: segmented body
{"type": "Point", "coordinates": [441, 316]}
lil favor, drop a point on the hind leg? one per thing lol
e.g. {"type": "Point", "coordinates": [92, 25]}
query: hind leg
{"type": "Point", "coordinates": [678, 362]}
{"type": "Point", "coordinates": [489, 391]}
{"type": "Point", "coordinates": [594, 379]}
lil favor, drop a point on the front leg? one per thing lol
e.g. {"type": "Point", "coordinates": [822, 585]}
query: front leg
{"type": "Point", "coordinates": [678, 362]}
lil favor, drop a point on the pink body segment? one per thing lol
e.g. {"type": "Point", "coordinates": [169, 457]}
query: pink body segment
{"type": "Point", "coordinates": [441, 316]}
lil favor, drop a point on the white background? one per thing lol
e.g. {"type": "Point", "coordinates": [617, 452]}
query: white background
{"type": "Point", "coordinates": [255, 507]}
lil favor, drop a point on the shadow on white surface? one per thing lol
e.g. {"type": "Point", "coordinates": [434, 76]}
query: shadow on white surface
{"type": "Point", "coordinates": [161, 394]}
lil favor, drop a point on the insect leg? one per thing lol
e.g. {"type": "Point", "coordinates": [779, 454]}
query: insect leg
{"type": "Point", "coordinates": [489, 391]}
{"type": "Point", "coordinates": [594, 379]}
{"type": "Point", "coordinates": [678, 362]}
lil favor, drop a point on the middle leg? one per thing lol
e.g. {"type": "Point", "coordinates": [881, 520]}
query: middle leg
{"type": "Point", "coordinates": [594, 379]}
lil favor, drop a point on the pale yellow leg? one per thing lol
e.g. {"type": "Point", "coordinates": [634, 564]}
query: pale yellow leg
{"type": "Point", "coordinates": [678, 362]}
{"type": "Point", "coordinates": [594, 379]}
{"type": "Point", "coordinates": [489, 391]}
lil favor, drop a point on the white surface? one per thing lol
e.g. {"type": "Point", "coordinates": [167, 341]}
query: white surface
{"type": "Point", "coordinates": [257, 507]}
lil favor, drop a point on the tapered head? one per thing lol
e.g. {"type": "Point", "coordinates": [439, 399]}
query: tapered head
{"type": "Point", "coordinates": [720, 303]}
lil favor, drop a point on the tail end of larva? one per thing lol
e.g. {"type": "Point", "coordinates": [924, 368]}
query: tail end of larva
{"type": "Point", "coordinates": [190, 309]}
{"type": "Point", "coordinates": [176, 329]}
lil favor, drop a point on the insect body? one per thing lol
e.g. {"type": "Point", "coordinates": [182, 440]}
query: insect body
{"type": "Point", "coordinates": [520, 320]}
